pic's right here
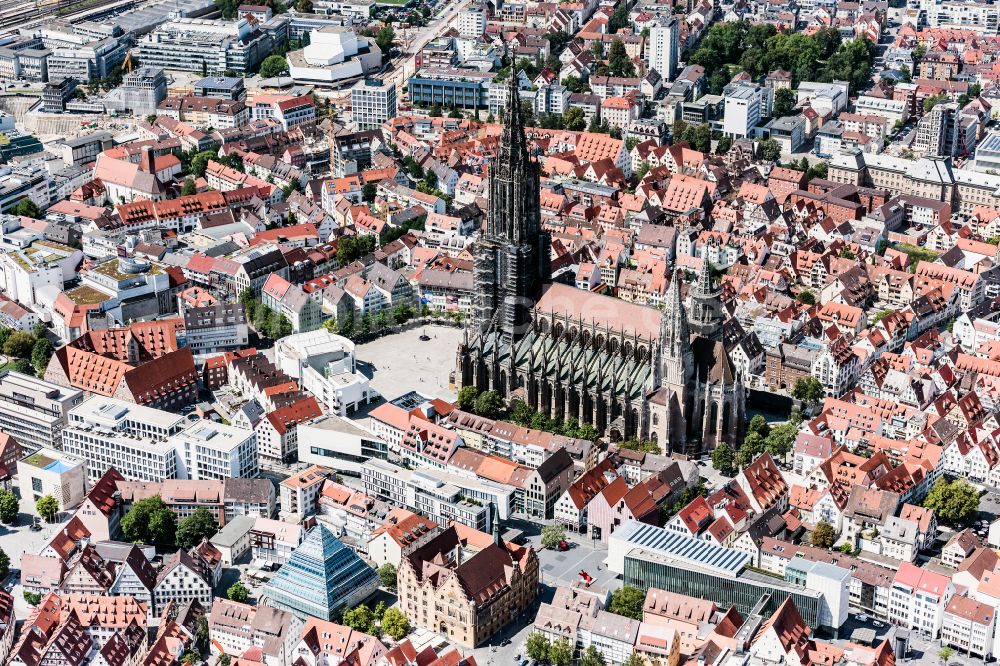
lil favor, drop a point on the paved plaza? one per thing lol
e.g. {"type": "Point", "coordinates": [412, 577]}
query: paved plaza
{"type": "Point", "coordinates": [402, 362]}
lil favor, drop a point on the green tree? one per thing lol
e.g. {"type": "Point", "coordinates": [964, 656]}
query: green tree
{"type": "Point", "coordinates": [19, 344]}
{"type": "Point", "coordinates": [201, 631]}
{"type": "Point", "coordinates": [360, 619]}
{"type": "Point", "coordinates": [934, 100]}
{"type": "Point", "coordinates": [33, 598]}
{"type": "Point", "coordinates": [387, 575]}
{"type": "Point", "coordinates": [489, 404]}
{"type": "Point", "coordinates": [537, 647]}
{"type": "Point", "coordinates": [190, 658]}
{"type": "Point", "coordinates": [953, 503]}
{"type": "Point", "coordinates": [435, 111]}
{"type": "Point", "coordinates": [47, 507]}
{"type": "Point", "coordinates": [591, 657]}
{"type": "Point", "coordinates": [945, 654]}
{"type": "Point", "coordinates": [807, 297]}
{"type": "Point", "coordinates": [758, 424]}
{"type": "Point", "coordinates": [634, 660]}
{"type": "Point", "coordinates": [40, 355]}
{"type": "Point", "coordinates": [574, 119]}
{"type": "Point", "coordinates": [823, 535]}
{"type": "Point", "coordinates": [753, 446]}
{"type": "Point", "coordinates": [199, 525]}
{"type": "Point", "coordinates": [575, 85]}
{"type": "Point", "coordinates": [369, 191]}
{"type": "Point", "coordinates": [149, 521]}
{"type": "Point", "coordinates": [188, 187]}
{"type": "Point", "coordinates": [384, 38]}
{"type": "Point", "coordinates": [846, 254]}
{"type": "Point", "coordinates": [724, 458]}
{"type": "Point", "coordinates": [238, 592]}
{"type": "Point", "coordinates": [770, 150]}
{"type": "Point", "coordinates": [395, 623]}
{"type": "Point", "coordinates": [780, 440]}
{"type": "Point", "coordinates": [627, 601]}
{"type": "Point", "coordinates": [725, 143]}
{"type": "Point", "coordinates": [26, 208]}
{"type": "Point", "coordinates": [561, 653]}
{"type": "Point", "coordinates": [808, 389]}
{"type": "Point", "coordinates": [784, 103]}
{"type": "Point", "coordinates": [552, 535]}
{"type": "Point", "coordinates": [467, 398]}
{"type": "Point", "coordinates": [8, 506]}
{"type": "Point", "coordinates": [521, 413]}
{"type": "Point", "coordinates": [619, 61]}
{"type": "Point", "coordinates": [304, 6]}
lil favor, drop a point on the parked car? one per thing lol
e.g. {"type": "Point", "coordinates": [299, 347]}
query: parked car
{"type": "Point", "coordinates": [862, 618]}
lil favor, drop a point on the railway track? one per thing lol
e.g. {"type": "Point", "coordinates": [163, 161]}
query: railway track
{"type": "Point", "coordinates": [17, 16]}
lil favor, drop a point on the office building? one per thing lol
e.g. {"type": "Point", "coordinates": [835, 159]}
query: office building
{"type": "Point", "coordinates": [918, 599]}
{"type": "Point", "coordinates": [339, 444]}
{"type": "Point", "coordinates": [205, 45]}
{"type": "Point", "coordinates": [299, 493]}
{"type": "Point", "coordinates": [147, 444]}
{"type": "Point", "coordinates": [988, 153]}
{"type": "Point", "coordinates": [747, 104]}
{"type": "Point", "coordinates": [143, 89]}
{"type": "Point", "coordinates": [649, 556]}
{"type": "Point", "coordinates": [215, 328]}
{"type": "Point", "coordinates": [441, 496]}
{"type": "Point", "coordinates": [210, 450]}
{"type": "Point", "coordinates": [373, 102]}
{"type": "Point", "coordinates": [664, 50]}
{"type": "Point", "coordinates": [51, 472]}
{"type": "Point", "coordinates": [222, 87]}
{"type": "Point", "coordinates": [56, 93]}
{"type": "Point", "coordinates": [321, 579]}
{"type": "Point", "coordinates": [463, 89]}
{"type": "Point", "coordinates": [978, 16]}
{"type": "Point", "coordinates": [34, 411]}
{"type": "Point", "coordinates": [131, 438]}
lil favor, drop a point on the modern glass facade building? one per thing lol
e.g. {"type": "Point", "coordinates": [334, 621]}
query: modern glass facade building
{"type": "Point", "coordinates": [322, 578]}
{"type": "Point", "coordinates": [745, 591]}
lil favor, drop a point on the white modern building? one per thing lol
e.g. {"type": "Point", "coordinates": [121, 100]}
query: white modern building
{"type": "Point", "coordinates": [56, 473]}
{"type": "Point", "coordinates": [205, 45]}
{"type": "Point", "coordinates": [747, 104]}
{"type": "Point", "coordinates": [338, 444]}
{"type": "Point", "coordinates": [437, 494]}
{"type": "Point", "coordinates": [210, 450]}
{"type": "Point", "coordinates": [147, 444]}
{"type": "Point", "coordinates": [918, 599]}
{"type": "Point", "coordinates": [325, 365]}
{"type": "Point", "coordinates": [335, 54]}
{"type": "Point", "coordinates": [34, 411]}
{"type": "Point", "coordinates": [664, 49]}
{"type": "Point", "coordinates": [131, 438]}
{"type": "Point", "coordinates": [373, 101]}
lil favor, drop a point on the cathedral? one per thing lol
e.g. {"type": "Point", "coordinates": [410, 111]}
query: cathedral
{"type": "Point", "coordinates": [629, 370]}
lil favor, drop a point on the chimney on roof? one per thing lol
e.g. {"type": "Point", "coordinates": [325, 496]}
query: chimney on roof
{"type": "Point", "coordinates": [148, 163]}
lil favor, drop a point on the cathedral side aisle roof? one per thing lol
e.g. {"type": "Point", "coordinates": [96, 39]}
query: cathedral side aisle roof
{"type": "Point", "coordinates": [600, 310]}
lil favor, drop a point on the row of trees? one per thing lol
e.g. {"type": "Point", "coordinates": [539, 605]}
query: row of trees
{"type": "Point", "coordinates": [760, 437]}
{"type": "Point", "coordinates": [265, 320]}
{"type": "Point", "coordinates": [489, 404]}
{"type": "Point", "coordinates": [352, 327]}
{"type": "Point", "coordinates": [150, 521]}
{"type": "Point", "coordinates": [377, 621]}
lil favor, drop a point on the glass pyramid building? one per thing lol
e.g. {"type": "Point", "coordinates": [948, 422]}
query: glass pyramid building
{"type": "Point", "coordinates": [322, 578]}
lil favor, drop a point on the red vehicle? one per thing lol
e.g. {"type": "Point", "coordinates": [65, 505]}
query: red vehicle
{"type": "Point", "coordinates": [563, 546]}
{"type": "Point", "coordinates": [586, 578]}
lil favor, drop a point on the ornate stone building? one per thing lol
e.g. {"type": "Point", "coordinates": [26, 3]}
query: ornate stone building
{"type": "Point", "coordinates": [628, 369]}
